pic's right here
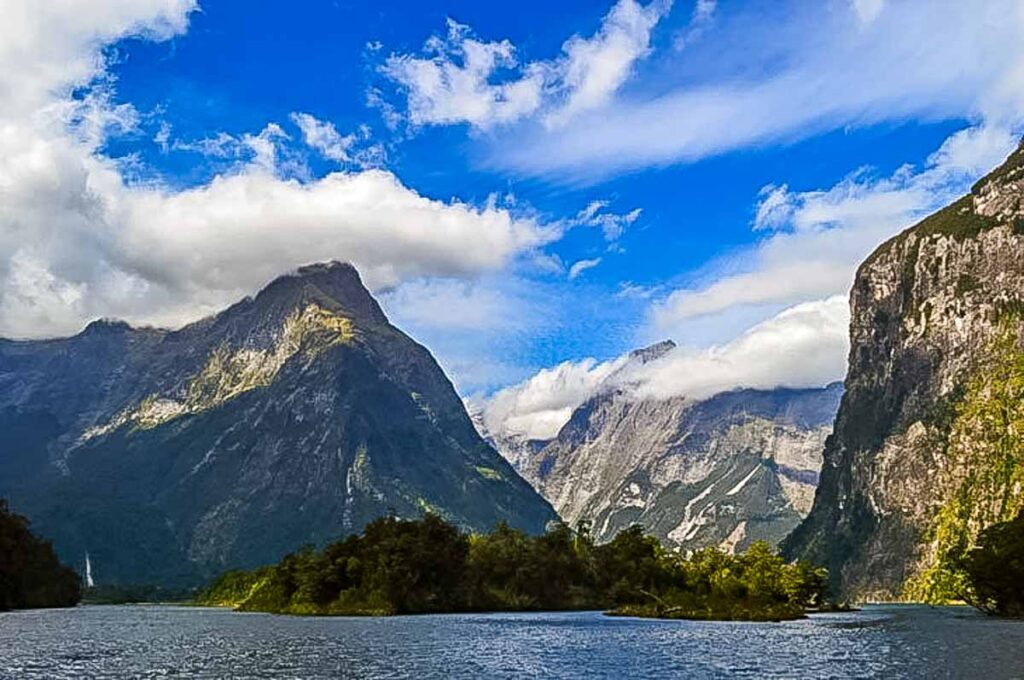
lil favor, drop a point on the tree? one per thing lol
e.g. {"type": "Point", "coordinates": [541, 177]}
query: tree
{"type": "Point", "coordinates": [995, 569]}
{"type": "Point", "coordinates": [30, 573]}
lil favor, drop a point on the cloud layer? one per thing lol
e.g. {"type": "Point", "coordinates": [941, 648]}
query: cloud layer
{"type": "Point", "coordinates": [785, 73]}
{"type": "Point", "coordinates": [803, 346]}
{"type": "Point", "coordinates": [78, 240]}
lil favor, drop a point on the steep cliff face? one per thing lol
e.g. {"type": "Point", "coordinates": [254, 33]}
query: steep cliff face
{"type": "Point", "coordinates": [729, 470]}
{"type": "Point", "coordinates": [296, 416]}
{"type": "Point", "coordinates": [935, 320]}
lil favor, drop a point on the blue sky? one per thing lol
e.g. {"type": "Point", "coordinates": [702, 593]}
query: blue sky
{"type": "Point", "coordinates": [525, 185]}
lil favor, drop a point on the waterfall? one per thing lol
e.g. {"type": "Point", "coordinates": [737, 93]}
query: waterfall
{"type": "Point", "coordinates": [88, 571]}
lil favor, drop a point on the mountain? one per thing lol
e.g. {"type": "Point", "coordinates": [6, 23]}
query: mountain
{"type": "Point", "coordinates": [928, 445]}
{"type": "Point", "coordinates": [728, 470]}
{"type": "Point", "coordinates": [292, 417]}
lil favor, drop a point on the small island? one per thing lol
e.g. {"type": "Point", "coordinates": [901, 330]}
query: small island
{"type": "Point", "coordinates": [427, 565]}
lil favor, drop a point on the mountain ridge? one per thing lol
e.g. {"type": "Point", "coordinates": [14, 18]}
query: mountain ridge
{"type": "Point", "coordinates": [297, 414]}
{"type": "Point", "coordinates": [929, 311]}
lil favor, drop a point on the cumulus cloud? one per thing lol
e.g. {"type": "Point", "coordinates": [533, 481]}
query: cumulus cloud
{"type": "Point", "coordinates": [802, 346]}
{"type": "Point", "coordinates": [804, 267]}
{"type": "Point", "coordinates": [459, 78]}
{"type": "Point", "coordinates": [788, 74]}
{"type": "Point", "coordinates": [538, 407]}
{"type": "Point", "coordinates": [451, 83]}
{"type": "Point", "coordinates": [78, 241]}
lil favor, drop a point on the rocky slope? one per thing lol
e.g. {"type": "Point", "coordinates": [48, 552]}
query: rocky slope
{"type": "Point", "coordinates": [928, 441]}
{"type": "Point", "coordinates": [295, 416]}
{"type": "Point", "coordinates": [726, 471]}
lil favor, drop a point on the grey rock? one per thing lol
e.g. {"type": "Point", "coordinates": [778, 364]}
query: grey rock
{"type": "Point", "coordinates": [924, 308]}
{"type": "Point", "coordinates": [295, 416]}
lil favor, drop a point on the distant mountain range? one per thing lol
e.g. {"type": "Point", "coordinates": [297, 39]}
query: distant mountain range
{"type": "Point", "coordinates": [300, 414]}
{"type": "Point", "coordinates": [725, 471]}
{"type": "Point", "coordinates": [292, 417]}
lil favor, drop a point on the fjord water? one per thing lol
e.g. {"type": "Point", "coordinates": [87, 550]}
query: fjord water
{"type": "Point", "coordinates": [162, 641]}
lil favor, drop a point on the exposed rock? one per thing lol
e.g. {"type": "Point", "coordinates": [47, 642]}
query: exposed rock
{"type": "Point", "coordinates": [729, 470]}
{"type": "Point", "coordinates": [927, 308]}
{"type": "Point", "coordinates": [295, 416]}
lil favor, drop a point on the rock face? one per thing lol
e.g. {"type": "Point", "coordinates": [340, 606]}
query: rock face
{"type": "Point", "coordinates": [295, 416]}
{"type": "Point", "coordinates": [935, 311]}
{"type": "Point", "coordinates": [726, 471]}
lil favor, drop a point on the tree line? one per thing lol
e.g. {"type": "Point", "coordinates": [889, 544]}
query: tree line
{"type": "Point", "coordinates": [30, 574]}
{"type": "Point", "coordinates": [427, 565]}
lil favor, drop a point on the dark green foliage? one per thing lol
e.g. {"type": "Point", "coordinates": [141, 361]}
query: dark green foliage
{"type": "Point", "coordinates": [419, 566]}
{"type": "Point", "coordinates": [958, 220]}
{"type": "Point", "coordinates": [995, 569]}
{"type": "Point", "coordinates": [1009, 309]}
{"type": "Point", "coordinates": [30, 574]}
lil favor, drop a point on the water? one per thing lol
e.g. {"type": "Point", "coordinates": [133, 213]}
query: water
{"type": "Point", "coordinates": [167, 641]}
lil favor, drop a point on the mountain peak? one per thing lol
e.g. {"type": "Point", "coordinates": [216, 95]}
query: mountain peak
{"type": "Point", "coordinates": [106, 326]}
{"type": "Point", "coordinates": [333, 285]}
{"type": "Point", "coordinates": [650, 353]}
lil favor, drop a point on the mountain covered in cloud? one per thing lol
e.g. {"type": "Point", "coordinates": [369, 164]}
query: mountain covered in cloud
{"type": "Point", "coordinates": [294, 416]}
{"type": "Point", "coordinates": [726, 470]}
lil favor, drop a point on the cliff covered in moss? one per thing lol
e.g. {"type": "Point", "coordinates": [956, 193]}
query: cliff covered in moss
{"type": "Point", "coordinates": [926, 448]}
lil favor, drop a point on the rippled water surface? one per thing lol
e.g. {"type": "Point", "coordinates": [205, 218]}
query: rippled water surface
{"type": "Point", "coordinates": [166, 641]}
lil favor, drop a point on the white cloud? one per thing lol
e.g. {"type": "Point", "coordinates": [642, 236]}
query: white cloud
{"type": "Point", "coordinates": [461, 79]}
{"type": "Point", "coordinates": [818, 238]}
{"type": "Point", "coordinates": [452, 84]}
{"type": "Point", "coordinates": [581, 266]}
{"type": "Point", "coordinates": [791, 73]}
{"type": "Point", "coordinates": [805, 266]}
{"type": "Point", "coordinates": [78, 241]}
{"type": "Point", "coordinates": [803, 346]}
{"type": "Point", "coordinates": [611, 224]}
{"type": "Point", "coordinates": [701, 19]}
{"type": "Point", "coordinates": [324, 137]}
{"type": "Point", "coordinates": [537, 408]}
{"type": "Point", "coordinates": [593, 69]}
{"type": "Point", "coordinates": [353, 148]}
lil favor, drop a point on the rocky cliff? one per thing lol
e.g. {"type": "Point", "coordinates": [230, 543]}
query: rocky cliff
{"type": "Point", "coordinates": [729, 470]}
{"type": "Point", "coordinates": [294, 416]}
{"type": "Point", "coordinates": [927, 445]}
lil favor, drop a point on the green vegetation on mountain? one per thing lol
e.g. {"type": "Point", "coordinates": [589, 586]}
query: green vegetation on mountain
{"type": "Point", "coordinates": [292, 417]}
{"type": "Point", "coordinates": [30, 574]}
{"type": "Point", "coordinates": [985, 450]}
{"type": "Point", "coordinates": [422, 566]}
